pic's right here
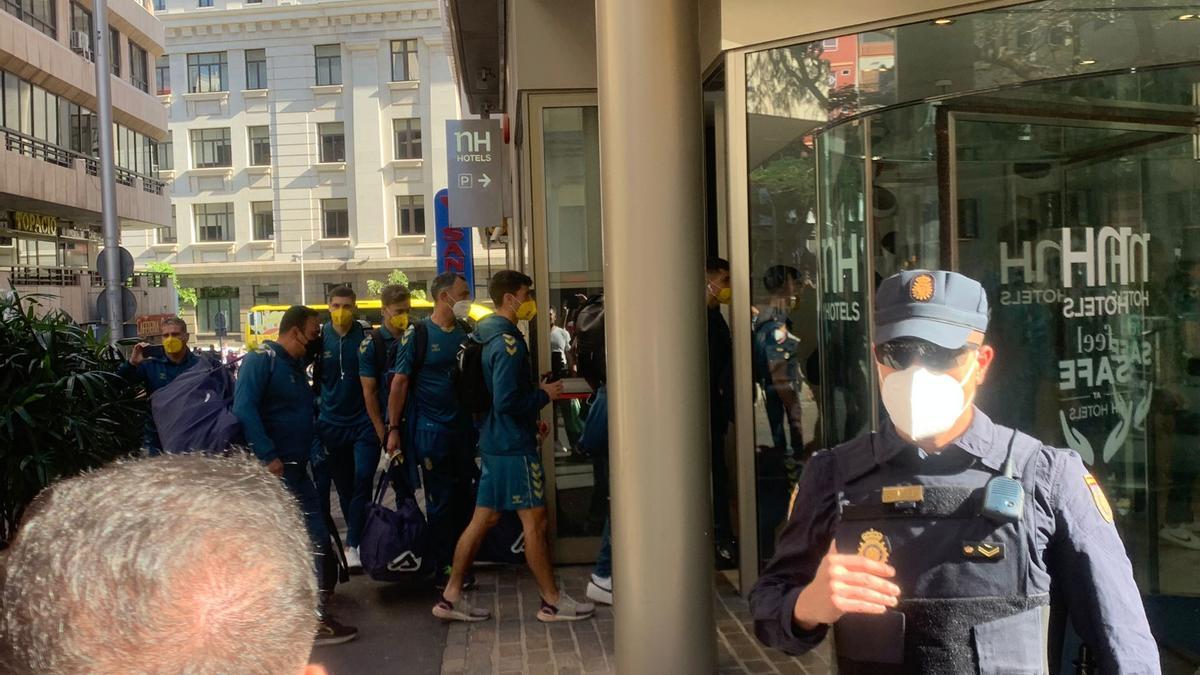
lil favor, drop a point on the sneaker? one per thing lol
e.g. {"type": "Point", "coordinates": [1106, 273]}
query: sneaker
{"type": "Point", "coordinates": [353, 561]}
{"type": "Point", "coordinates": [459, 611]}
{"type": "Point", "coordinates": [1181, 536]}
{"type": "Point", "coordinates": [330, 632]}
{"type": "Point", "coordinates": [442, 578]}
{"type": "Point", "coordinates": [567, 609]}
{"type": "Point", "coordinates": [726, 556]}
{"type": "Point", "coordinates": [599, 589]}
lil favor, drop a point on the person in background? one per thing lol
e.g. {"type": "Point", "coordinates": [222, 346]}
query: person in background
{"type": "Point", "coordinates": [777, 366]}
{"type": "Point", "coordinates": [594, 442]}
{"type": "Point", "coordinates": [274, 402]}
{"type": "Point", "coordinates": [157, 371]}
{"type": "Point", "coordinates": [351, 443]}
{"type": "Point", "coordinates": [717, 292]}
{"type": "Point", "coordinates": [373, 362]}
{"type": "Point", "coordinates": [513, 478]}
{"type": "Point", "coordinates": [560, 368]}
{"type": "Point", "coordinates": [172, 564]}
{"type": "Point", "coordinates": [440, 437]}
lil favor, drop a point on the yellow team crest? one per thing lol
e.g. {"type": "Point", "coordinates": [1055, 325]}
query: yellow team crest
{"type": "Point", "coordinates": [921, 288]}
{"type": "Point", "coordinates": [1102, 504]}
{"type": "Point", "coordinates": [874, 546]}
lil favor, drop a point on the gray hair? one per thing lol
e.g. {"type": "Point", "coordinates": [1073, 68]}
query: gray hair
{"type": "Point", "coordinates": [175, 321]}
{"type": "Point", "coordinates": [172, 564]}
{"type": "Point", "coordinates": [442, 283]}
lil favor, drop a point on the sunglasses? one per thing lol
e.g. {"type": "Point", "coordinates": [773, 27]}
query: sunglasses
{"type": "Point", "coordinates": [901, 354]}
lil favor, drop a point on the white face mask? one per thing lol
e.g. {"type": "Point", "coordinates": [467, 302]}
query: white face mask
{"type": "Point", "coordinates": [922, 403]}
{"type": "Point", "coordinates": [462, 309]}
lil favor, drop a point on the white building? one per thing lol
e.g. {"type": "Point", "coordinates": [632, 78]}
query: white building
{"type": "Point", "coordinates": [311, 128]}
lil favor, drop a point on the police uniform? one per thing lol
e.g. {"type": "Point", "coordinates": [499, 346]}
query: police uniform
{"type": "Point", "coordinates": [974, 591]}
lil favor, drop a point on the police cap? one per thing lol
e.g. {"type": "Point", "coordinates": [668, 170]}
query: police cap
{"type": "Point", "coordinates": [941, 307]}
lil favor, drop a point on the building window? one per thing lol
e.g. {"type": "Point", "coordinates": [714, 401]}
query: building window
{"type": "Point", "coordinates": [206, 3]}
{"type": "Point", "coordinates": [167, 234]}
{"type": "Point", "coordinates": [165, 153]}
{"type": "Point", "coordinates": [831, 43]}
{"type": "Point", "coordinates": [410, 214]}
{"type": "Point", "coordinates": [137, 67]}
{"type": "Point", "coordinates": [333, 142]}
{"type": "Point", "coordinates": [160, 5]}
{"type": "Point", "coordinates": [266, 295]}
{"type": "Point", "coordinates": [329, 64]}
{"type": "Point", "coordinates": [405, 65]}
{"type": "Point", "coordinates": [264, 221]}
{"type": "Point", "coordinates": [81, 31]}
{"type": "Point", "coordinates": [222, 300]}
{"type": "Point", "coordinates": [260, 145]}
{"type": "Point", "coordinates": [407, 135]}
{"type": "Point", "coordinates": [114, 51]}
{"type": "Point", "coordinates": [335, 219]}
{"type": "Point", "coordinates": [214, 222]}
{"type": "Point", "coordinates": [162, 74]}
{"type": "Point", "coordinates": [329, 286]}
{"type": "Point", "coordinates": [211, 148]}
{"type": "Point", "coordinates": [256, 69]}
{"type": "Point", "coordinates": [207, 71]}
{"type": "Point", "coordinates": [36, 13]}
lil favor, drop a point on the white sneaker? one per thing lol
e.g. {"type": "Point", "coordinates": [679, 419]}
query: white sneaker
{"type": "Point", "coordinates": [599, 589]}
{"type": "Point", "coordinates": [353, 562]}
{"type": "Point", "coordinates": [568, 609]}
{"type": "Point", "coordinates": [1180, 536]}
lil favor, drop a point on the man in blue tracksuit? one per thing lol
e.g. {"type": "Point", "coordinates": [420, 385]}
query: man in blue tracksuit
{"type": "Point", "coordinates": [373, 363]}
{"type": "Point", "coordinates": [439, 437]}
{"type": "Point", "coordinates": [274, 403]}
{"type": "Point", "coordinates": [350, 442]}
{"type": "Point", "coordinates": [156, 372]}
{"type": "Point", "coordinates": [513, 478]}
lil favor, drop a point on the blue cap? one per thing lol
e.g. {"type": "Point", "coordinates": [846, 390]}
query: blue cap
{"type": "Point", "coordinates": [941, 307]}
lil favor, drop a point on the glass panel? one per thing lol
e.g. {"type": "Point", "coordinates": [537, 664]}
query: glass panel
{"type": "Point", "coordinates": [571, 158]}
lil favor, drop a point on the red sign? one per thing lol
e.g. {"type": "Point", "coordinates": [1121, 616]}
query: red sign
{"type": "Point", "coordinates": [150, 325]}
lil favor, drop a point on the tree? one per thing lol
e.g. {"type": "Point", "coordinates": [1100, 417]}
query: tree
{"type": "Point", "coordinates": [63, 409]}
{"type": "Point", "coordinates": [187, 296]}
{"type": "Point", "coordinates": [375, 287]}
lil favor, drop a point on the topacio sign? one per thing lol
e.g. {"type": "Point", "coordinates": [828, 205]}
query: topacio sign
{"type": "Point", "coordinates": [474, 170]}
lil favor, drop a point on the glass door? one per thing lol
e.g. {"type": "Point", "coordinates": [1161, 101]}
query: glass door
{"type": "Point", "coordinates": [568, 269]}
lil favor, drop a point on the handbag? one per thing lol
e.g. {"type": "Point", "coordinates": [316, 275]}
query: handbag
{"type": "Point", "coordinates": [394, 543]}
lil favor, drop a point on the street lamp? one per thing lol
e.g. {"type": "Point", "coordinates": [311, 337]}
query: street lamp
{"type": "Point", "coordinates": [300, 259]}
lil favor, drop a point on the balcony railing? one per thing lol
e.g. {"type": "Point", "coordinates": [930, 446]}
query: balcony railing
{"type": "Point", "coordinates": [15, 141]}
{"type": "Point", "coordinates": [43, 276]}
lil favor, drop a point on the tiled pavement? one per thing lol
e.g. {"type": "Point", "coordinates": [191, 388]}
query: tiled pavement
{"type": "Point", "coordinates": [516, 643]}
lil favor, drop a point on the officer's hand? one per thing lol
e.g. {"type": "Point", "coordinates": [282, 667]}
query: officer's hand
{"type": "Point", "coordinates": [136, 358]}
{"type": "Point", "coordinates": [393, 443]}
{"type": "Point", "coordinates": [845, 584]}
{"type": "Point", "coordinates": [553, 389]}
{"type": "Point", "coordinates": [276, 467]}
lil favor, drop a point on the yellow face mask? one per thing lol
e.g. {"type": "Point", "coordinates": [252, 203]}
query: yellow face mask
{"type": "Point", "coordinates": [172, 345]}
{"type": "Point", "coordinates": [399, 322]}
{"type": "Point", "coordinates": [527, 311]}
{"type": "Point", "coordinates": [341, 318]}
{"type": "Point", "coordinates": [724, 296]}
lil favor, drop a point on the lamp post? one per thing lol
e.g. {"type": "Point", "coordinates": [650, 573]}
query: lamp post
{"type": "Point", "coordinates": [300, 259]}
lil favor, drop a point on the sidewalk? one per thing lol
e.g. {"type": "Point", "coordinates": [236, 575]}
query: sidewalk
{"type": "Point", "coordinates": [516, 643]}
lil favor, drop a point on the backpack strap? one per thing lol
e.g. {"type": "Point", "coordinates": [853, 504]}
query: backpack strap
{"type": "Point", "coordinates": [382, 351]}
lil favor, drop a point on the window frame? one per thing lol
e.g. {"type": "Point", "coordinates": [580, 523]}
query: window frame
{"type": "Point", "coordinates": [200, 74]}
{"type": "Point", "coordinates": [256, 143]}
{"type": "Point", "coordinates": [260, 70]}
{"type": "Point", "coordinates": [409, 143]}
{"type": "Point", "coordinates": [137, 56]}
{"type": "Point", "coordinates": [328, 61]}
{"type": "Point", "coordinates": [207, 210]}
{"type": "Point", "coordinates": [408, 59]}
{"type": "Point", "coordinates": [259, 224]}
{"type": "Point", "coordinates": [203, 144]}
{"type": "Point", "coordinates": [326, 212]}
{"type": "Point", "coordinates": [326, 143]}
{"type": "Point", "coordinates": [168, 234]}
{"type": "Point", "coordinates": [25, 11]}
{"type": "Point", "coordinates": [162, 75]}
{"type": "Point", "coordinates": [410, 215]}
{"type": "Point", "coordinates": [166, 151]}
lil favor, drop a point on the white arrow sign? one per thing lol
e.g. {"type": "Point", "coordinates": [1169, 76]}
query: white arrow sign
{"type": "Point", "coordinates": [485, 180]}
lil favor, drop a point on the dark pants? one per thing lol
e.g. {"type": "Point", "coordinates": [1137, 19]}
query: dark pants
{"type": "Point", "coordinates": [601, 496]}
{"type": "Point", "coordinates": [300, 484]}
{"type": "Point", "coordinates": [448, 470]}
{"type": "Point", "coordinates": [352, 456]}
{"type": "Point", "coordinates": [722, 523]}
{"type": "Point", "coordinates": [783, 414]}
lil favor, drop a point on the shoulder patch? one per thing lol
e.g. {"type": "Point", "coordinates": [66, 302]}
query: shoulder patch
{"type": "Point", "coordinates": [509, 340]}
{"type": "Point", "coordinates": [1098, 497]}
{"type": "Point", "coordinates": [362, 348]}
{"type": "Point", "coordinates": [512, 351]}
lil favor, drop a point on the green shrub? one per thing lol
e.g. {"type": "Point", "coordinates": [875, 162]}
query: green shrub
{"type": "Point", "coordinates": [63, 410]}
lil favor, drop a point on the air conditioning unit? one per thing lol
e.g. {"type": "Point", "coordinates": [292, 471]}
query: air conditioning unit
{"type": "Point", "coordinates": [81, 43]}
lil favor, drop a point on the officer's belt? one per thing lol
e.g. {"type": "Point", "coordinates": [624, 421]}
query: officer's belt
{"type": "Point", "coordinates": [937, 635]}
{"type": "Point", "coordinates": [938, 502]}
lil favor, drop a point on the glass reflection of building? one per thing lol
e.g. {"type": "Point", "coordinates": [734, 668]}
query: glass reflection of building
{"type": "Point", "coordinates": [1050, 150]}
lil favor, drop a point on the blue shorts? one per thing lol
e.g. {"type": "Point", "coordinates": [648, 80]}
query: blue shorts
{"type": "Point", "coordinates": [511, 483]}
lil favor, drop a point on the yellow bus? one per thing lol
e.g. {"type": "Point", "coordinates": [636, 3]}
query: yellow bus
{"type": "Point", "coordinates": [262, 321]}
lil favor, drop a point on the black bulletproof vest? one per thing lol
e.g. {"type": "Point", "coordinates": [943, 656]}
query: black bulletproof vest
{"type": "Point", "coordinates": [965, 585]}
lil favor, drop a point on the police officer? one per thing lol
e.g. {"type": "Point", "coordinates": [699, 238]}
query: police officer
{"type": "Point", "coordinates": [931, 545]}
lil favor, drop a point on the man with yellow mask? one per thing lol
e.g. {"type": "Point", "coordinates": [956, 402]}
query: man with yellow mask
{"type": "Point", "coordinates": [155, 369]}
{"type": "Point", "coordinates": [343, 426]}
{"type": "Point", "coordinates": [717, 292]}
{"type": "Point", "coordinates": [377, 353]}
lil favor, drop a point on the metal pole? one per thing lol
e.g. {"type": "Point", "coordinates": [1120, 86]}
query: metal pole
{"type": "Point", "coordinates": [650, 141]}
{"type": "Point", "coordinates": [108, 186]}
